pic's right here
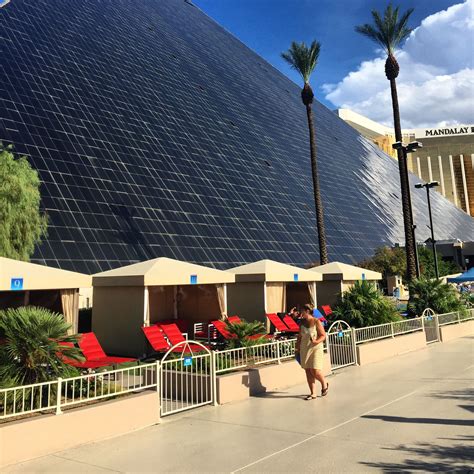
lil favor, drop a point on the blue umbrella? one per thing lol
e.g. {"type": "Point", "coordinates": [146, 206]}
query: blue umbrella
{"type": "Point", "coordinates": [466, 276]}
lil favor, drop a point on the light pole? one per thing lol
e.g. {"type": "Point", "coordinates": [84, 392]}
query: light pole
{"type": "Point", "coordinates": [428, 186]}
{"type": "Point", "coordinates": [411, 147]}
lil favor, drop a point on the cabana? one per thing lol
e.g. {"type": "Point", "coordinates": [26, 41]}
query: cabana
{"type": "Point", "coordinates": [158, 290]}
{"type": "Point", "coordinates": [338, 277]}
{"type": "Point", "coordinates": [465, 277]}
{"type": "Point", "coordinates": [267, 286]}
{"type": "Point", "coordinates": [29, 284]}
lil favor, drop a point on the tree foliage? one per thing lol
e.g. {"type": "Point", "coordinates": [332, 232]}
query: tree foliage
{"type": "Point", "coordinates": [22, 225]}
{"type": "Point", "coordinates": [30, 351]}
{"type": "Point", "coordinates": [303, 59]}
{"type": "Point", "coordinates": [364, 305]}
{"type": "Point", "coordinates": [440, 297]}
{"type": "Point", "coordinates": [392, 261]}
{"type": "Point", "coordinates": [388, 31]}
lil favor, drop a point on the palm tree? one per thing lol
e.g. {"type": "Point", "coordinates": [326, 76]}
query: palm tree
{"type": "Point", "coordinates": [304, 59]}
{"type": "Point", "coordinates": [31, 349]}
{"type": "Point", "coordinates": [389, 32]}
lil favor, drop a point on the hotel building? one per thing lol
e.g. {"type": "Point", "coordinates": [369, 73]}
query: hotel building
{"type": "Point", "coordinates": [447, 155]}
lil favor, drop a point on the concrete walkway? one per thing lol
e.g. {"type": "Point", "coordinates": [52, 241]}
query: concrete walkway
{"type": "Point", "coordinates": [411, 413]}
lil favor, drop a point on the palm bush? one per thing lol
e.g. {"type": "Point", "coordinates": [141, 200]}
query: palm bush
{"type": "Point", "coordinates": [434, 294]}
{"type": "Point", "coordinates": [242, 331]}
{"type": "Point", "coordinates": [364, 305]}
{"type": "Point", "coordinates": [31, 350]}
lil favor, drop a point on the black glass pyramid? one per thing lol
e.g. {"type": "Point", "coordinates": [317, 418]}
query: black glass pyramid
{"type": "Point", "coordinates": [157, 133]}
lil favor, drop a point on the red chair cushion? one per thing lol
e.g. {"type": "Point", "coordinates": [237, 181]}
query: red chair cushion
{"type": "Point", "coordinates": [156, 338]}
{"type": "Point", "coordinates": [291, 323]}
{"type": "Point", "coordinates": [326, 310]}
{"type": "Point", "coordinates": [173, 333]}
{"type": "Point", "coordinates": [91, 347]}
{"type": "Point", "coordinates": [277, 322]}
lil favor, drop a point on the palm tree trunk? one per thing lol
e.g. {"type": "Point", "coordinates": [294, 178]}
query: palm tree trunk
{"type": "Point", "coordinates": [405, 187]}
{"type": "Point", "coordinates": [323, 253]}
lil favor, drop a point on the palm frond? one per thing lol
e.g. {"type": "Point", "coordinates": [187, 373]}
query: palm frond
{"type": "Point", "coordinates": [387, 30]}
{"type": "Point", "coordinates": [303, 58]}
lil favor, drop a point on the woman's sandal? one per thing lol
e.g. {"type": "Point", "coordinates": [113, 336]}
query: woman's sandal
{"type": "Point", "coordinates": [324, 392]}
{"type": "Point", "coordinates": [310, 397]}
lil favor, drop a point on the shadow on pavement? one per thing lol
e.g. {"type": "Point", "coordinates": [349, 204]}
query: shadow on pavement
{"type": "Point", "coordinates": [430, 421]}
{"type": "Point", "coordinates": [431, 458]}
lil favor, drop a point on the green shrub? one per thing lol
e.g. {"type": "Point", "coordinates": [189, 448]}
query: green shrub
{"type": "Point", "coordinates": [434, 294]}
{"type": "Point", "coordinates": [364, 305]}
{"type": "Point", "coordinates": [31, 350]}
{"type": "Point", "coordinates": [242, 331]}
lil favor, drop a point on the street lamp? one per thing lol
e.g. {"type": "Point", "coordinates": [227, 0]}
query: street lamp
{"type": "Point", "coordinates": [411, 147]}
{"type": "Point", "coordinates": [428, 186]}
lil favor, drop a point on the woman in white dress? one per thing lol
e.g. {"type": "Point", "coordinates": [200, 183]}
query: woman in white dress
{"type": "Point", "coordinates": [309, 346]}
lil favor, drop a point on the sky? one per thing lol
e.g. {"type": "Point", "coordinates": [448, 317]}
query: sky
{"type": "Point", "coordinates": [436, 81]}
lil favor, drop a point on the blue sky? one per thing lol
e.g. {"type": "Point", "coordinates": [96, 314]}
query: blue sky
{"type": "Point", "coordinates": [268, 27]}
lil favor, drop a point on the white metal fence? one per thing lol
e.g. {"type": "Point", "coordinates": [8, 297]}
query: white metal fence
{"type": "Point", "coordinates": [66, 392]}
{"type": "Point", "coordinates": [61, 393]}
{"type": "Point", "coordinates": [382, 331]}
{"type": "Point", "coordinates": [275, 351]}
{"type": "Point", "coordinates": [456, 317]}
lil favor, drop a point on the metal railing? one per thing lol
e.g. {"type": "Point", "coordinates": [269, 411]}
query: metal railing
{"type": "Point", "coordinates": [383, 331]}
{"type": "Point", "coordinates": [242, 357]}
{"type": "Point", "coordinates": [55, 395]}
{"type": "Point", "coordinates": [455, 317]}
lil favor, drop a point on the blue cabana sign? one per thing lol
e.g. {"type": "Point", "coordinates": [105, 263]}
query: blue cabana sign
{"type": "Point", "coordinates": [194, 279]}
{"type": "Point", "coordinates": [295, 277]}
{"type": "Point", "coordinates": [16, 284]}
{"type": "Point", "coordinates": [188, 361]}
{"type": "Point", "coordinates": [340, 334]}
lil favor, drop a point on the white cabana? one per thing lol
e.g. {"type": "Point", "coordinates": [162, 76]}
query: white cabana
{"type": "Point", "coordinates": [338, 277]}
{"type": "Point", "coordinates": [267, 286]}
{"type": "Point", "coordinates": [158, 290]}
{"type": "Point", "coordinates": [29, 284]}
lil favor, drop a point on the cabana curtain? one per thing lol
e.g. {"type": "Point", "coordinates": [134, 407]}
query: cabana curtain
{"type": "Point", "coordinates": [70, 305]}
{"type": "Point", "coordinates": [312, 292]}
{"type": "Point", "coordinates": [276, 297]}
{"type": "Point", "coordinates": [221, 299]}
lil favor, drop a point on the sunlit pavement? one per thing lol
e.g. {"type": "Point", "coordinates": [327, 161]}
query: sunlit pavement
{"type": "Point", "coordinates": [414, 412]}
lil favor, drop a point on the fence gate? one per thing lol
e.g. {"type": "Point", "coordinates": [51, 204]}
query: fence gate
{"type": "Point", "coordinates": [186, 378]}
{"type": "Point", "coordinates": [430, 323]}
{"type": "Point", "coordinates": [341, 344]}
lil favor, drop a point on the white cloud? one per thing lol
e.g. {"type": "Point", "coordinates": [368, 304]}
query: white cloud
{"type": "Point", "coordinates": [436, 82]}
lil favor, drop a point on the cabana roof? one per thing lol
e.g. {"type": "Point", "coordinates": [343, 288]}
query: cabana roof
{"type": "Point", "coordinates": [271, 271]}
{"type": "Point", "coordinates": [18, 275]}
{"type": "Point", "coordinates": [162, 271]}
{"type": "Point", "coordinates": [345, 272]}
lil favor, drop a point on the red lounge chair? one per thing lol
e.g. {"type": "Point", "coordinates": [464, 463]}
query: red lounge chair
{"type": "Point", "coordinates": [234, 319]}
{"type": "Point", "coordinates": [75, 363]}
{"type": "Point", "coordinates": [326, 310]}
{"type": "Point", "coordinates": [291, 323]}
{"type": "Point", "coordinates": [278, 324]}
{"type": "Point", "coordinates": [157, 339]}
{"type": "Point", "coordinates": [221, 328]}
{"type": "Point", "coordinates": [94, 353]}
{"type": "Point", "coordinates": [174, 335]}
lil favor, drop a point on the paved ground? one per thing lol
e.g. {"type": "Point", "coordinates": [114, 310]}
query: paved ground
{"type": "Point", "coordinates": [411, 413]}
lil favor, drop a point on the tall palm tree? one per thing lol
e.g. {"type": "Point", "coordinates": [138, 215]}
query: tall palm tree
{"type": "Point", "coordinates": [389, 31]}
{"type": "Point", "coordinates": [304, 59]}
